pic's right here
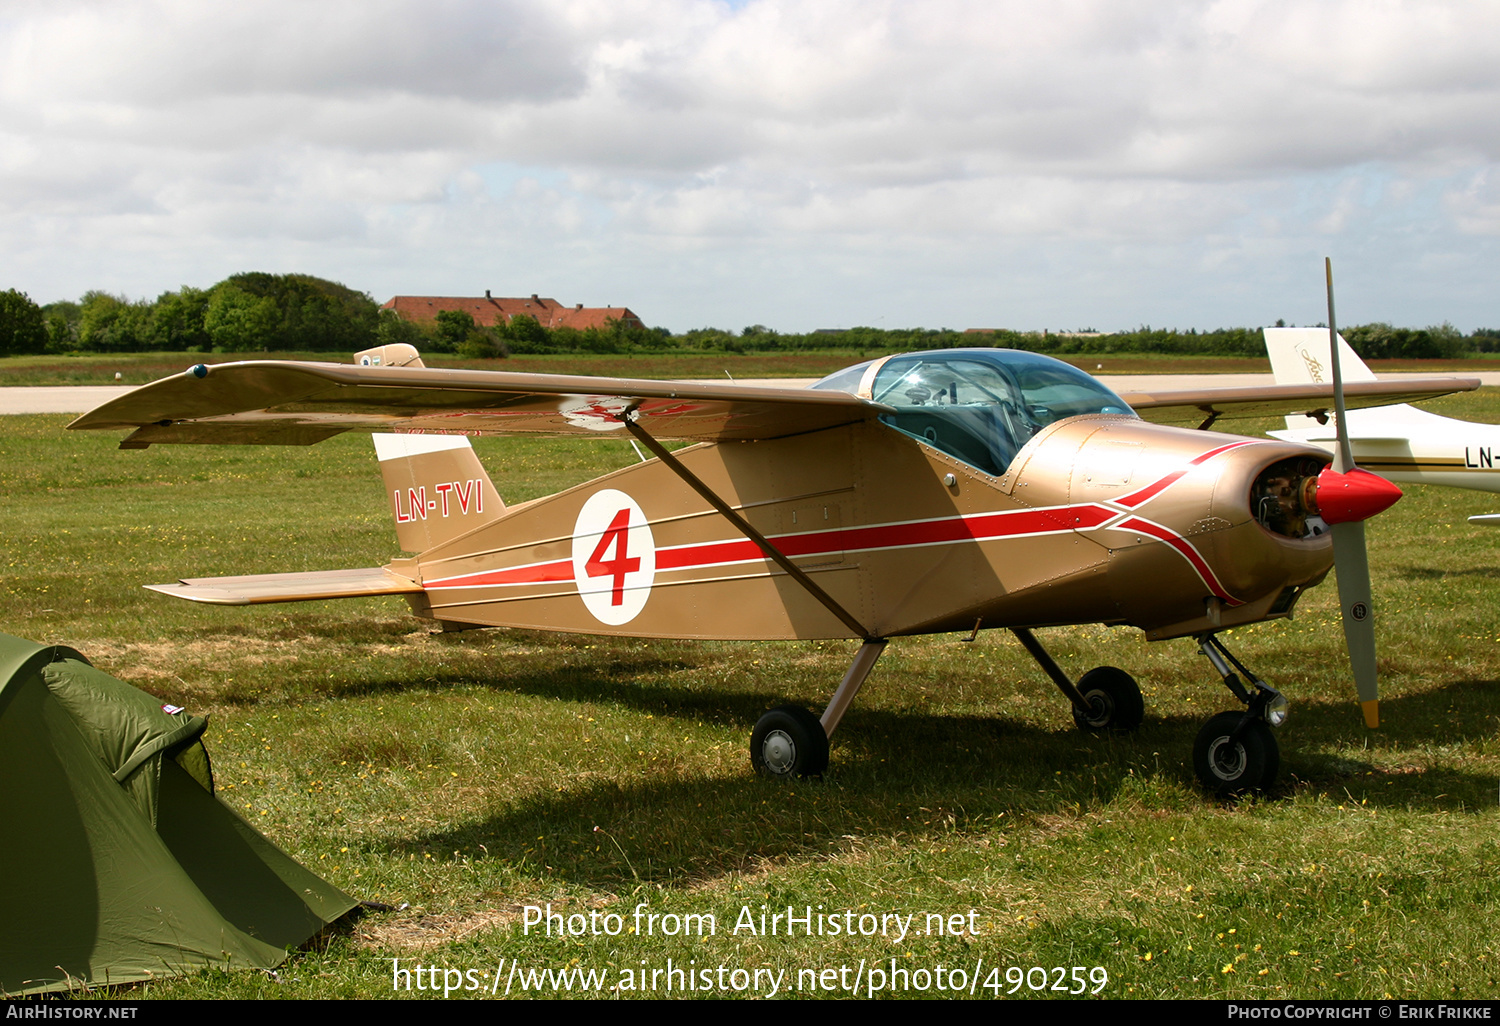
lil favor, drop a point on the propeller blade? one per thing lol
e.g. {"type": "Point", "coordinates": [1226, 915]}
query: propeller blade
{"type": "Point", "coordinates": [1359, 620]}
{"type": "Point", "coordinates": [1343, 456]}
{"type": "Point", "coordinates": [1352, 496]}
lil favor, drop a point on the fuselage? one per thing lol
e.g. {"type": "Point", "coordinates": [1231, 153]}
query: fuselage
{"type": "Point", "coordinates": [1003, 490]}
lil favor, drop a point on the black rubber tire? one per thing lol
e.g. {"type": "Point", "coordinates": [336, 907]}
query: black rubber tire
{"type": "Point", "coordinates": [1247, 763]}
{"type": "Point", "coordinates": [1115, 702]}
{"type": "Point", "coordinates": [789, 742]}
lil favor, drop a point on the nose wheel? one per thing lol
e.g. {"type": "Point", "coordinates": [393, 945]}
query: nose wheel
{"type": "Point", "coordinates": [1236, 753]}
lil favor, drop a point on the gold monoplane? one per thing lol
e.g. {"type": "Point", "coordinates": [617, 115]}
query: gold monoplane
{"type": "Point", "coordinates": [954, 490]}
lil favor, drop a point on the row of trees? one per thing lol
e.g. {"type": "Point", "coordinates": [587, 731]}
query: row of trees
{"type": "Point", "coordinates": [1371, 341]}
{"type": "Point", "coordinates": [298, 312]}
{"type": "Point", "coordinates": [455, 331]}
{"type": "Point", "coordinates": [242, 313]}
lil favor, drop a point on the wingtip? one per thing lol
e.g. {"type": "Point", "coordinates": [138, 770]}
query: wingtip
{"type": "Point", "coordinates": [1372, 712]}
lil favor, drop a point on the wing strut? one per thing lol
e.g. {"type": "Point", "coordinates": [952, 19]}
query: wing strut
{"type": "Point", "coordinates": [772, 553]}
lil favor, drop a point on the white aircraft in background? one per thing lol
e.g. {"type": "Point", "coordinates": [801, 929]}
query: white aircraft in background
{"type": "Point", "coordinates": [1401, 443]}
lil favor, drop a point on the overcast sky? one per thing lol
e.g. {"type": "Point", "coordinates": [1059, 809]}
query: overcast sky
{"type": "Point", "coordinates": [798, 163]}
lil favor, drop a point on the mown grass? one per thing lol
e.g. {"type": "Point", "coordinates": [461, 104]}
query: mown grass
{"type": "Point", "coordinates": [463, 777]}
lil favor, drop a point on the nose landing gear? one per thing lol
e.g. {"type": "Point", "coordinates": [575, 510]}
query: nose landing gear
{"type": "Point", "coordinates": [1236, 752]}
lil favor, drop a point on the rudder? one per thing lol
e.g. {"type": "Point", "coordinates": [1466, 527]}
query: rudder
{"type": "Point", "coordinates": [438, 488]}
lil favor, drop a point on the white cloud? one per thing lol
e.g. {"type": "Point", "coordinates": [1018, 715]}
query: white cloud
{"type": "Point", "coordinates": [391, 138]}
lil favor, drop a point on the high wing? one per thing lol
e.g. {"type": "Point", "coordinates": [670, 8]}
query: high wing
{"type": "Point", "coordinates": [286, 403]}
{"type": "Point", "coordinates": [271, 402]}
{"type": "Point", "coordinates": [1186, 406]}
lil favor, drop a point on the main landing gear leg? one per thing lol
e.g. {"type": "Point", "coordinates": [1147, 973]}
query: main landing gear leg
{"type": "Point", "coordinates": [1236, 752]}
{"type": "Point", "coordinates": [789, 741]}
{"type": "Point", "coordinates": [1104, 699]}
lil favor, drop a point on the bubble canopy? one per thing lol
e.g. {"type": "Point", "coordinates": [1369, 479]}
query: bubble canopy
{"type": "Point", "coordinates": [977, 405]}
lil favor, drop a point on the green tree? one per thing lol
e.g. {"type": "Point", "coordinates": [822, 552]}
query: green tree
{"type": "Point", "coordinates": [238, 321]}
{"type": "Point", "coordinates": [758, 336]}
{"type": "Point", "coordinates": [1383, 342]}
{"type": "Point", "coordinates": [482, 344]}
{"type": "Point", "coordinates": [62, 319]}
{"type": "Point", "coordinates": [392, 329]}
{"type": "Point", "coordinates": [22, 329]}
{"type": "Point", "coordinates": [113, 324]}
{"type": "Point", "coordinates": [179, 320]}
{"type": "Point", "coordinates": [712, 338]}
{"type": "Point", "coordinates": [452, 329]}
{"type": "Point", "coordinates": [1449, 341]}
{"type": "Point", "coordinates": [525, 334]}
{"type": "Point", "coordinates": [312, 313]}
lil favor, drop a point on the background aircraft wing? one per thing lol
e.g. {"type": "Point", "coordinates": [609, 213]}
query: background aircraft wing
{"type": "Point", "coordinates": [1192, 406]}
{"type": "Point", "coordinates": [287, 403]}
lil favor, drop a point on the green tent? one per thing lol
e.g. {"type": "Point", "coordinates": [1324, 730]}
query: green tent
{"type": "Point", "coordinates": [117, 863]}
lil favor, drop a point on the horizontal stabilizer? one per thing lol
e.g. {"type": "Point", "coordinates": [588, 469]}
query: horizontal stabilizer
{"type": "Point", "coordinates": [253, 589]}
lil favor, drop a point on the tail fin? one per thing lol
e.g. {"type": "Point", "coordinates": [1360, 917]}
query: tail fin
{"type": "Point", "coordinates": [1300, 356]}
{"type": "Point", "coordinates": [437, 486]}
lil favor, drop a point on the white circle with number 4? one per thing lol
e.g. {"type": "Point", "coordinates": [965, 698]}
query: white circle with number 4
{"type": "Point", "coordinates": [614, 557]}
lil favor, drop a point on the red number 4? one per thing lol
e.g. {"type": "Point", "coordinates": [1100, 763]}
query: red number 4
{"type": "Point", "coordinates": [618, 535]}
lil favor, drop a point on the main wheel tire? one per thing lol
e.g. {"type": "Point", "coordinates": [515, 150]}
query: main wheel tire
{"type": "Point", "coordinates": [1229, 766]}
{"type": "Point", "coordinates": [1114, 701]}
{"type": "Point", "coordinates": [789, 742]}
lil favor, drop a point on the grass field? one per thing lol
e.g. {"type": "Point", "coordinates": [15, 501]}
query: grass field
{"type": "Point", "coordinates": [462, 778]}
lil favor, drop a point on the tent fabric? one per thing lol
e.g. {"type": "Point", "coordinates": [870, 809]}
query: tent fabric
{"type": "Point", "coordinates": [128, 728]}
{"type": "Point", "coordinates": [117, 863]}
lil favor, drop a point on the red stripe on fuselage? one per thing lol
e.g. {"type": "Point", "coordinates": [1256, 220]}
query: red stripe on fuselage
{"type": "Point", "coordinates": [947, 530]}
{"type": "Point", "coordinates": [943, 531]}
{"type": "Point", "coordinates": [1156, 487]}
{"type": "Point", "coordinates": [1185, 547]}
{"type": "Point", "coordinates": [977, 527]}
{"type": "Point", "coordinates": [533, 573]}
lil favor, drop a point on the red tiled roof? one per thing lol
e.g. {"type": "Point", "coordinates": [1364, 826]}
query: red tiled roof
{"type": "Point", "coordinates": [488, 311]}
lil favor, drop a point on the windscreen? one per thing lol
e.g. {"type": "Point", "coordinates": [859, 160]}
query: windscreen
{"type": "Point", "coordinates": [979, 405]}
